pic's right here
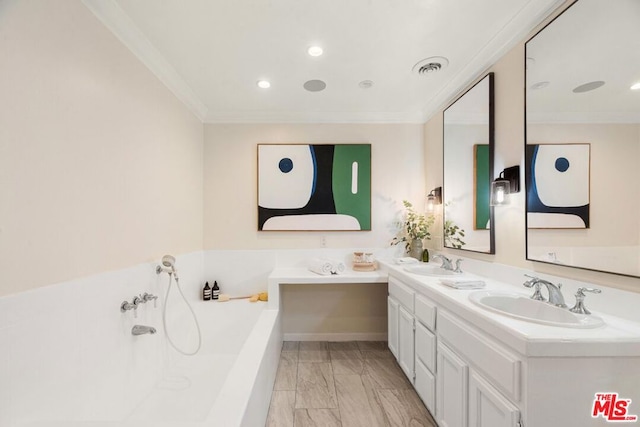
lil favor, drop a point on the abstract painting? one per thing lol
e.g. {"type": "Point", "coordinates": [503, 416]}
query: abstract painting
{"type": "Point", "coordinates": [314, 187]}
{"type": "Point", "coordinates": [558, 188]}
{"type": "Point", "coordinates": [481, 186]}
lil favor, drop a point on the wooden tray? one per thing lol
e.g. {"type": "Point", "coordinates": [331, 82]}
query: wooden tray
{"type": "Point", "coordinates": [365, 266]}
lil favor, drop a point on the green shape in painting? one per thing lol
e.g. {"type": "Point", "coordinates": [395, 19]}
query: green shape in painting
{"type": "Point", "coordinates": [351, 180]}
{"type": "Point", "coordinates": [482, 187]}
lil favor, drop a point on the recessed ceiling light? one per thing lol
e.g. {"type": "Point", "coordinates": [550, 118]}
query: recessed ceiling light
{"type": "Point", "coordinates": [314, 85]}
{"type": "Point", "coordinates": [315, 51]}
{"type": "Point", "coordinates": [539, 85]}
{"type": "Point", "coordinates": [263, 84]}
{"type": "Point", "coordinates": [587, 87]}
{"type": "Point", "coordinates": [365, 84]}
{"type": "Point", "coordinates": [636, 86]}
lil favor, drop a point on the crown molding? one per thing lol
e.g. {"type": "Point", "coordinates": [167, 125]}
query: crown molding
{"type": "Point", "coordinates": [314, 117]}
{"type": "Point", "coordinates": [119, 23]}
{"type": "Point", "coordinates": [592, 117]}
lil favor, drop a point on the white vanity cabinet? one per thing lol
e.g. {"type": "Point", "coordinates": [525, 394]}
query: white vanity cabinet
{"type": "Point", "coordinates": [425, 351]}
{"type": "Point", "coordinates": [464, 377]}
{"type": "Point", "coordinates": [452, 380]}
{"type": "Point", "coordinates": [478, 378]}
{"type": "Point", "coordinates": [392, 324]}
{"type": "Point", "coordinates": [487, 407]}
{"type": "Point", "coordinates": [401, 324]}
{"type": "Point", "coordinates": [412, 338]}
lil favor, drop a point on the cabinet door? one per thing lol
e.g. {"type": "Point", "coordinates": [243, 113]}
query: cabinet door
{"type": "Point", "coordinates": [426, 386]}
{"type": "Point", "coordinates": [392, 325]}
{"type": "Point", "coordinates": [425, 346]}
{"type": "Point", "coordinates": [406, 347]}
{"type": "Point", "coordinates": [487, 407]}
{"type": "Point", "coordinates": [451, 399]}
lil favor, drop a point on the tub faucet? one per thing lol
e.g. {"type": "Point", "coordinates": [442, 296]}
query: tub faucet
{"type": "Point", "coordinates": [446, 262]}
{"type": "Point", "coordinates": [555, 294]}
{"type": "Point", "coordinates": [141, 330]}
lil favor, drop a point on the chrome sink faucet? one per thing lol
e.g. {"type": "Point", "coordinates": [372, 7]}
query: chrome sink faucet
{"type": "Point", "coordinates": [555, 294]}
{"type": "Point", "coordinates": [446, 262]}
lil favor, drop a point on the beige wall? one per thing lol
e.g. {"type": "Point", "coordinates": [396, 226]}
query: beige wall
{"type": "Point", "coordinates": [100, 165]}
{"type": "Point", "coordinates": [230, 181]}
{"type": "Point", "coordinates": [357, 311]}
{"type": "Point", "coordinates": [509, 151]}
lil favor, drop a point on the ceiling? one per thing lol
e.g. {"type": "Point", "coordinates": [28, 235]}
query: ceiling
{"type": "Point", "coordinates": [211, 53]}
{"type": "Point", "coordinates": [591, 41]}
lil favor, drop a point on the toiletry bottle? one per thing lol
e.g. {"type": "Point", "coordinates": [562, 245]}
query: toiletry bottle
{"type": "Point", "coordinates": [206, 292]}
{"type": "Point", "coordinates": [215, 291]}
{"type": "Point", "coordinates": [425, 255]}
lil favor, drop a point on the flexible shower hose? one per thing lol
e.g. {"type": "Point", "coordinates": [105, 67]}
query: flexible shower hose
{"type": "Point", "coordinates": [164, 319]}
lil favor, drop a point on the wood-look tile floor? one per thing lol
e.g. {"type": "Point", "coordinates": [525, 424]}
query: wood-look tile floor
{"type": "Point", "coordinates": [343, 384]}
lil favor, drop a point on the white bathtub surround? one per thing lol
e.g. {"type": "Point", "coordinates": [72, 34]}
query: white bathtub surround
{"type": "Point", "coordinates": [68, 352]}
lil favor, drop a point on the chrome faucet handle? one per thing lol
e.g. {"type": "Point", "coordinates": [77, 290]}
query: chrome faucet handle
{"type": "Point", "coordinates": [126, 306]}
{"type": "Point", "coordinates": [458, 269]}
{"type": "Point", "coordinates": [537, 295]}
{"type": "Point", "coordinates": [534, 283]}
{"type": "Point", "coordinates": [579, 308]}
{"type": "Point", "coordinates": [148, 297]}
{"type": "Point", "coordinates": [446, 262]}
{"type": "Point", "coordinates": [137, 300]}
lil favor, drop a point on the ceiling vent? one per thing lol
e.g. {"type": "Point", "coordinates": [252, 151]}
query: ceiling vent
{"type": "Point", "coordinates": [430, 65]}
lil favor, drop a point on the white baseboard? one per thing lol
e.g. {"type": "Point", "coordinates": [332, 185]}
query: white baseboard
{"type": "Point", "coordinates": [336, 336]}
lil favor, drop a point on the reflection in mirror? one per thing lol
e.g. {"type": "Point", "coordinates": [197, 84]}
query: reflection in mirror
{"type": "Point", "coordinates": [468, 169]}
{"type": "Point", "coordinates": [582, 154]}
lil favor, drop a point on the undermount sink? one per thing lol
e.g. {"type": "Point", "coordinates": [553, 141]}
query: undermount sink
{"type": "Point", "coordinates": [523, 308]}
{"type": "Point", "coordinates": [428, 270]}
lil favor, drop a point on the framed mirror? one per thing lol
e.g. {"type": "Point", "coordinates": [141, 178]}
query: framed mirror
{"type": "Point", "coordinates": [582, 153]}
{"type": "Point", "coordinates": [468, 170]}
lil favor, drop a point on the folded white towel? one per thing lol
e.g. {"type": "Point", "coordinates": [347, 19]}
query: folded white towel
{"type": "Point", "coordinates": [326, 267]}
{"type": "Point", "coordinates": [464, 283]}
{"type": "Point", "coordinates": [320, 266]}
{"type": "Point", "coordinates": [338, 267]}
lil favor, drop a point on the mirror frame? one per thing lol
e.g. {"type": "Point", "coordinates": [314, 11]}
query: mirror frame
{"type": "Point", "coordinates": [527, 182]}
{"type": "Point", "coordinates": [491, 143]}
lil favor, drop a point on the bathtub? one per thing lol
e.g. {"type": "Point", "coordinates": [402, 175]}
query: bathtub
{"type": "Point", "coordinates": [229, 382]}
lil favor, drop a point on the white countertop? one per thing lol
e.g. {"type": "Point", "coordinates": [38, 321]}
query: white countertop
{"type": "Point", "coordinates": [302, 276]}
{"type": "Point", "coordinates": [618, 337]}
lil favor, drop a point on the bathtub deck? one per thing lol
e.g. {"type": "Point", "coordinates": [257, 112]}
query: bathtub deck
{"type": "Point", "coordinates": [343, 384]}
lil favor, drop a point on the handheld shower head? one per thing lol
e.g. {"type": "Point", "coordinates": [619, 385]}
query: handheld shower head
{"type": "Point", "coordinates": [169, 261]}
{"type": "Point", "coordinates": [168, 265]}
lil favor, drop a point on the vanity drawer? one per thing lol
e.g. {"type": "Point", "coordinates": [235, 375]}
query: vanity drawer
{"type": "Point", "coordinates": [402, 293]}
{"type": "Point", "coordinates": [499, 365]}
{"type": "Point", "coordinates": [426, 347]}
{"type": "Point", "coordinates": [426, 312]}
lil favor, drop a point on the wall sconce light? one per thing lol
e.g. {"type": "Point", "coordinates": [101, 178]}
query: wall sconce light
{"type": "Point", "coordinates": [434, 198]}
{"type": "Point", "coordinates": [507, 182]}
